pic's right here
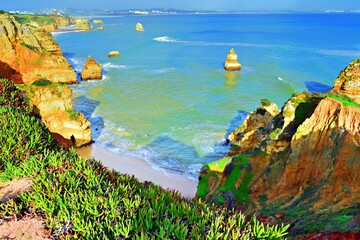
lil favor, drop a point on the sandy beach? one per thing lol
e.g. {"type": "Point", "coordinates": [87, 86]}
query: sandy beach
{"type": "Point", "coordinates": [140, 169]}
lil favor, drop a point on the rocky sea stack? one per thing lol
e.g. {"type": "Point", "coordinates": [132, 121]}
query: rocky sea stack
{"type": "Point", "coordinates": [139, 27]}
{"type": "Point", "coordinates": [231, 62]}
{"type": "Point", "coordinates": [300, 165]}
{"type": "Point", "coordinates": [91, 70]}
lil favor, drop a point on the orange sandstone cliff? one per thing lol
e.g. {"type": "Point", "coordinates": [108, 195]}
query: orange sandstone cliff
{"type": "Point", "coordinates": [298, 166]}
{"type": "Point", "coordinates": [28, 53]}
{"type": "Point", "coordinates": [30, 56]}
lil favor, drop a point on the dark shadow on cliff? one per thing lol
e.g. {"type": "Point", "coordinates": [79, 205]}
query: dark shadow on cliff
{"type": "Point", "coordinates": [87, 107]}
{"type": "Point", "coordinates": [317, 87]}
{"type": "Point", "coordinates": [9, 73]}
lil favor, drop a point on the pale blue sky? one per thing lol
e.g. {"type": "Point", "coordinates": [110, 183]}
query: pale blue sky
{"type": "Point", "coordinates": [241, 5]}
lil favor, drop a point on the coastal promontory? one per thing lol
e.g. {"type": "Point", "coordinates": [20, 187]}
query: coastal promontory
{"type": "Point", "coordinates": [300, 165]}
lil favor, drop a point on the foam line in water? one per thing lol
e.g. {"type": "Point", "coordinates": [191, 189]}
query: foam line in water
{"type": "Point", "coordinates": [111, 65]}
{"type": "Point", "coordinates": [167, 39]}
{"type": "Point", "coordinates": [336, 52]}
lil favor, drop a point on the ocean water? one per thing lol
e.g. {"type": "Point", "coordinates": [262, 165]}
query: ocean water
{"type": "Point", "coordinates": [167, 98]}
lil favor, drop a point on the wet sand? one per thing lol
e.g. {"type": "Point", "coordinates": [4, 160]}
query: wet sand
{"type": "Point", "coordinates": [141, 169]}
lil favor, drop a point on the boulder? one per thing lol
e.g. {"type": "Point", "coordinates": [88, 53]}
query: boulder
{"type": "Point", "coordinates": [91, 70]}
{"type": "Point", "coordinates": [231, 63]}
{"type": "Point", "coordinates": [139, 27]}
{"type": "Point", "coordinates": [101, 28]}
{"type": "Point", "coordinates": [97, 21]}
{"type": "Point", "coordinates": [114, 54]}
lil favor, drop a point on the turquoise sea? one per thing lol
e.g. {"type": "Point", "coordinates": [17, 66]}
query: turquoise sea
{"type": "Point", "coordinates": [167, 99]}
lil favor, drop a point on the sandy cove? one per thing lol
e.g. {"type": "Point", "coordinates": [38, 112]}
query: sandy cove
{"type": "Point", "coordinates": [141, 169]}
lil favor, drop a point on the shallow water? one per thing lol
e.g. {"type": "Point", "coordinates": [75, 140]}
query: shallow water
{"type": "Point", "coordinates": [167, 98]}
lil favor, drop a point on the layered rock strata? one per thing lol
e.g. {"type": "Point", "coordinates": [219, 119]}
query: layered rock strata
{"type": "Point", "coordinates": [28, 53]}
{"type": "Point", "coordinates": [91, 70]}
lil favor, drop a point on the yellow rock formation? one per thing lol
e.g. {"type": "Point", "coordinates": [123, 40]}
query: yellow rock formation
{"type": "Point", "coordinates": [27, 54]}
{"type": "Point", "coordinates": [82, 24]}
{"type": "Point", "coordinates": [114, 54]}
{"type": "Point", "coordinates": [97, 21]}
{"type": "Point", "coordinates": [91, 70]}
{"type": "Point", "coordinates": [139, 27]}
{"type": "Point", "coordinates": [54, 104]}
{"type": "Point", "coordinates": [100, 28]}
{"type": "Point", "coordinates": [231, 63]}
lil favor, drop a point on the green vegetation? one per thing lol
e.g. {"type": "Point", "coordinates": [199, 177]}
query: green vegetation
{"type": "Point", "coordinates": [32, 48]}
{"type": "Point", "coordinates": [79, 198]}
{"type": "Point", "coordinates": [344, 99]}
{"type": "Point", "coordinates": [73, 114]}
{"type": "Point", "coordinates": [42, 82]}
{"type": "Point", "coordinates": [40, 19]}
{"type": "Point", "coordinates": [220, 165]}
{"type": "Point", "coordinates": [2, 11]}
{"type": "Point", "coordinates": [265, 102]}
{"type": "Point", "coordinates": [203, 185]}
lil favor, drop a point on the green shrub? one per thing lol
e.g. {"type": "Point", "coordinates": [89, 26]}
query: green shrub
{"type": "Point", "coordinates": [42, 82]}
{"type": "Point", "coordinates": [265, 102]}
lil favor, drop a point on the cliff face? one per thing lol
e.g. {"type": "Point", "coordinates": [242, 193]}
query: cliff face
{"type": "Point", "coordinates": [348, 81]}
{"type": "Point", "coordinates": [302, 166]}
{"type": "Point", "coordinates": [53, 102]}
{"type": "Point", "coordinates": [28, 53]}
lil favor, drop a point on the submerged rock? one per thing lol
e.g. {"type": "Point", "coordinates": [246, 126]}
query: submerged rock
{"type": "Point", "coordinates": [139, 27]}
{"type": "Point", "coordinates": [97, 21]}
{"type": "Point", "coordinates": [91, 70]}
{"type": "Point", "coordinates": [114, 54]}
{"type": "Point", "coordinates": [231, 63]}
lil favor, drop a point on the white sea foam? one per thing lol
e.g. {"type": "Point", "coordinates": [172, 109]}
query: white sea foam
{"type": "Point", "coordinates": [108, 65]}
{"type": "Point", "coordinates": [77, 63]}
{"type": "Point", "coordinates": [66, 31]}
{"type": "Point", "coordinates": [167, 39]}
{"type": "Point", "coordinates": [163, 70]}
{"type": "Point", "coordinates": [336, 52]}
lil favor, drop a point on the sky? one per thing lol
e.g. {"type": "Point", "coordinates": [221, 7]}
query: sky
{"type": "Point", "coordinates": [238, 5]}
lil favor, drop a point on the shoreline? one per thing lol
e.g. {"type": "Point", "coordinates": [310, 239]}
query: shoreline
{"type": "Point", "coordinates": [141, 169]}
